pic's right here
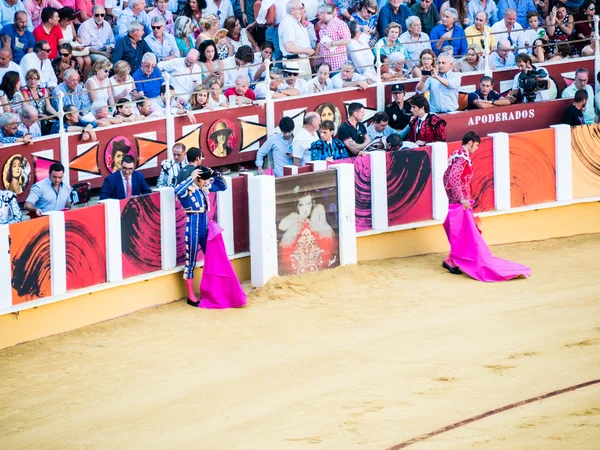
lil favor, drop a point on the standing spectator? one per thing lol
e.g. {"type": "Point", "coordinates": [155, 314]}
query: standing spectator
{"type": "Point", "coordinates": [34, 8]}
{"type": "Point", "coordinates": [424, 127]}
{"type": "Point", "coordinates": [279, 146]}
{"type": "Point", "coordinates": [509, 28]}
{"type": "Point", "coordinates": [581, 83]}
{"type": "Point", "coordinates": [427, 13]}
{"type": "Point", "coordinates": [327, 148]}
{"type": "Point", "coordinates": [98, 35]}
{"type": "Point", "coordinates": [449, 32]}
{"type": "Point", "coordinates": [81, 54]}
{"type": "Point", "coordinates": [521, 8]}
{"type": "Point", "coordinates": [50, 31]}
{"type": "Point", "coordinates": [392, 11]}
{"type": "Point", "coordinates": [305, 138]}
{"type": "Point", "coordinates": [9, 133]}
{"type": "Point", "coordinates": [49, 194]}
{"type": "Point", "coordinates": [30, 124]}
{"type": "Point", "coordinates": [10, 94]}
{"type": "Point", "coordinates": [534, 32]}
{"type": "Point", "coordinates": [132, 47]}
{"type": "Point", "coordinates": [237, 65]}
{"type": "Point", "coordinates": [443, 85]}
{"type": "Point", "coordinates": [353, 132]}
{"type": "Point", "coordinates": [135, 12]}
{"type": "Point", "coordinates": [65, 61]}
{"type": "Point", "coordinates": [38, 97]}
{"type": "Point", "coordinates": [74, 93]}
{"type": "Point", "coordinates": [379, 128]}
{"type": "Point", "coordinates": [360, 53]}
{"type": "Point", "coordinates": [220, 8]}
{"type": "Point", "coordinates": [503, 56]}
{"type": "Point", "coordinates": [398, 111]}
{"type": "Point", "coordinates": [6, 65]}
{"type": "Point", "coordinates": [98, 85]}
{"type": "Point", "coordinates": [414, 41]}
{"type": "Point", "coordinates": [122, 83]}
{"type": "Point", "coordinates": [162, 44]}
{"type": "Point", "coordinates": [161, 11]}
{"type": "Point", "coordinates": [170, 168]}
{"type": "Point", "coordinates": [293, 37]}
{"type": "Point", "coordinates": [21, 39]}
{"type": "Point", "coordinates": [184, 35]}
{"type": "Point", "coordinates": [573, 115]}
{"type": "Point", "coordinates": [187, 66]}
{"type": "Point", "coordinates": [148, 77]}
{"type": "Point", "coordinates": [321, 82]}
{"type": "Point", "coordinates": [237, 35]}
{"type": "Point", "coordinates": [38, 59]}
{"type": "Point", "coordinates": [334, 35]}
{"type": "Point", "coordinates": [474, 32]}
{"type": "Point", "coordinates": [559, 26]}
{"type": "Point", "coordinates": [124, 183]}
{"type": "Point", "coordinates": [9, 208]}
{"type": "Point", "coordinates": [240, 94]}
{"type": "Point", "coordinates": [487, 6]}
{"type": "Point", "coordinates": [366, 18]}
{"type": "Point", "coordinates": [8, 9]}
{"type": "Point", "coordinates": [349, 78]}
{"type": "Point", "coordinates": [486, 97]}
{"type": "Point", "coordinates": [193, 10]}
{"type": "Point", "coordinates": [391, 41]}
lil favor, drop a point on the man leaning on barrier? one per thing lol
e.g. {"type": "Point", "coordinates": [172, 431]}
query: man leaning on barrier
{"type": "Point", "coordinates": [9, 133]}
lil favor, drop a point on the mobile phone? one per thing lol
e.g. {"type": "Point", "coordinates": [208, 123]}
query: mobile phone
{"type": "Point", "coordinates": [426, 72]}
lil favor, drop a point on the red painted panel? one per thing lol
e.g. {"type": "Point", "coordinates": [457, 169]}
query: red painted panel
{"type": "Point", "coordinates": [241, 220]}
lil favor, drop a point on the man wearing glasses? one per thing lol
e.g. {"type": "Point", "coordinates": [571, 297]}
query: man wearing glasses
{"type": "Point", "coordinates": [428, 13]}
{"type": "Point", "coordinates": [162, 44]}
{"type": "Point", "coordinates": [97, 34]}
{"type": "Point", "coordinates": [124, 183]}
{"type": "Point", "coordinates": [38, 59]}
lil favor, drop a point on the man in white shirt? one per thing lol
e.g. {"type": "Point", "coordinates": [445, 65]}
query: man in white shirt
{"type": "Point", "coordinates": [581, 82]}
{"type": "Point", "coordinates": [223, 10]}
{"type": "Point", "coordinates": [192, 73]}
{"type": "Point", "coordinates": [509, 28]}
{"type": "Point", "coordinates": [38, 59]}
{"type": "Point", "coordinates": [29, 121]}
{"type": "Point", "coordinates": [8, 65]}
{"type": "Point", "coordinates": [98, 35]}
{"type": "Point", "coordinates": [304, 138]}
{"type": "Point", "coordinates": [278, 88]}
{"type": "Point", "coordinates": [349, 78]}
{"type": "Point", "coordinates": [237, 65]}
{"type": "Point", "coordinates": [291, 70]}
{"type": "Point", "coordinates": [293, 37]}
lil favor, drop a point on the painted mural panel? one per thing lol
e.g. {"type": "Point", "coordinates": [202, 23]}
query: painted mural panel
{"type": "Point", "coordinates": [585, 144]}
{"type": "Point", "coordinates": [241, 220]}
{"type": "Point", "coordinates": [362, 191]}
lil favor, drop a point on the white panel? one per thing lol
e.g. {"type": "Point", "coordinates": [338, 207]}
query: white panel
{"type": "Point", "coordinates": [346, 213]}
{"type": "Point", "coordinates": [225, 215]}
{"type": "Point", "coordinates": [58, 252]}
{"type": "Point", "coordinates": [293, 112]}
{"type": "Point", "coordinates": [5, 269]}
{"type": "Point", "coordinates": [293, 168]}
{"type": "Point", "coordinates": [114, 261]}
{"type": "Point", "coordinates": [379, 198]}
{"type": "Point", "coordinates": [49, 154]}
{"type": "Point", "coordinates": [505, 85]}
{"type": "Point", "coordinates": [501, 171]}
{"type": "Point", "coordinates": [168, 233]}
{"type": "Point", "coordinates": [318, 165]}
{"type": "Point", "coordinates": [564, 163]}
{"type": "Point", "coordinates": [186, 129]}
{"type": "Point", "coordinates": [439, 164]}
{"type": "Point", "coordinates": [82, 148]}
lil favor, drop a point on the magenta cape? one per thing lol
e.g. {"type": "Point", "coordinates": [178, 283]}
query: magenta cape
{"type": "Point", "coordinates": [471, 254]}
{"type": "Point", "coordinates": [219, 287]}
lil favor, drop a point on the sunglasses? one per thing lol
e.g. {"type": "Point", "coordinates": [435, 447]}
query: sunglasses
{"type": "Point", "coordinates": [65, 55]}
{"type": "Point", "coordinates": [33, 79]}
{"type": "Point", "coordinates": [371, 12]}
{"type": "Point", "coordinates": [46, 50]}
{"type": "Point", "coordinates": [157, 28]}
{"type": "Point", "coordinates": [106, 70]}
{"type": "Point", "coordinates": [99, 15]}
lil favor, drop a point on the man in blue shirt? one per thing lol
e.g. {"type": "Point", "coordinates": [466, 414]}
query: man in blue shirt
{"type": "Point", "coordinates": [521, 6]}
{"type": "Point", "coordinates": [8, 8]}
{"type": "Point", "coordinates": [21, 39]}
{"type": "Point", "coordinates": [393, 11]}
{"type": "Point", "coordinates": [132, 46]}
{"type": "Point", "coordinates": [486, 97]}
{"type": "Point", "coordinates": [280, 146]}
{"type": "Point", "coordinates": [449, 33]}
{"type": "Point", "coordinates": [503, 56]}
{"type": "Point", "coordinates": [74, 93]}
{"type": "Point", "coordinates": [443, 85]}
{"type": "Point", "coordinates": [148, 79]}
{"type": "Point", "coordinates": [49, 194]}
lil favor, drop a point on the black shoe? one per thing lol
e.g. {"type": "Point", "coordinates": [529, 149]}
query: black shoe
{"type": "Point", "coordinates": [191, 303]}
{"type": "Point", "coordinates": [452, 270]}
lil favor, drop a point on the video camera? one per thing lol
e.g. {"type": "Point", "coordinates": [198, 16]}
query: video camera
{"type": "Point", "coordinates": [530, 82]}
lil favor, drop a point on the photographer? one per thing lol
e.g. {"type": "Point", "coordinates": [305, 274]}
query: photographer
{"type": "Point", "coordinates": [530, 84]}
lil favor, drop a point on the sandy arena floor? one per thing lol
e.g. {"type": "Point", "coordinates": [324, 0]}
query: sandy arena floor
{"type": "Point", "coordinates": [364, 357]}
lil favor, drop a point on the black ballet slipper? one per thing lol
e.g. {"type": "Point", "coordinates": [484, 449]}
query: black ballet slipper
{"type": "Point", "coordinates": [452, 270]}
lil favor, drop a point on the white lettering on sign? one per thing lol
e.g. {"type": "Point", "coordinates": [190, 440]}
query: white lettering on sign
{"type": "Point", "coordinates": [502, 117]}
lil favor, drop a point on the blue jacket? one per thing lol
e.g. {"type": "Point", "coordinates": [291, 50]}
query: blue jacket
{"type": "Point", "coordinates": [112, 187]}
{"type": "Point", "coordinates": [386, 16]}
{"type": "Point", "coordinates": [459, 45]}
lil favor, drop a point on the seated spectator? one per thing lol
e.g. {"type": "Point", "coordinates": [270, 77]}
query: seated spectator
{"type": "Point", "coordinates": [74, 93]}
{"type": "Point", "coordinates": [391, 41]}
{"type": "Point", "coordinates": [38, 97]}
{"type": "Point", "coordinates": [132, 47]}
{"type": "Point", "coordinates": [237, 65]}
{"type": "Point", "coordinates": [449, 32]}
{"type": "Point", "coordinates": [148, 79]}
{"type": "Point", "coordinates": [237, 35]}
{"type": "Point", "coordinates": [212, 66]}
{"type": "Point", "coordinates": [327, 148]}
{"type": "Point", "coordinates": [123, 110]}
{"type": "Point", "coordinates": [38, 59]}
{"type": "Point", "coordinates": [443, 85]}
{"type": "Point", "coordinates": [461, 8]}
{"type": "Point", "coordinates": [424, 127]}
{"type": "Point", "coordinates": [573, 115]}
{"type": "Point", "coordinates": [473, 61]}
{"type": "Point", "coordinates": [210, 25]}
{"type": "Point", "coordinates": [126, 182]}
{"type": "Point", "coordinates": [508, 28]}
{"type": "Point", "coordinates": [427, 62]}
{"type": "Point", "coordinates": [97, 34]}
{"type": "Point", "coordinates": [584, 26]}
{"type": "Point", "coordinates": [261, 60]}
{"type": "Point", "coordinates": [414, 40]}
{"type": "Point", "coordinates": [305, 138]}
{"type": "Point", "coordinates": [560, 26]}
{"type": "Point", "coordinates": [98, 85]}
{"type": "Point", "coordinates": [74, 123]}
{"type": "Point", "coordinates": [162, 44]}
{"type": "Point", "coordinates": [393, 143]}
{"type": "Point", "coordinates": [278, 87]}
{"type": "Point", "coordinates": [279, 146]}
{"type": "Point", "coordinates": [562, 51]}
{"type": "Point", "coordinates": [366, 17]}
{"type": "Point", "coordinates": [294, 40]}
{"type": "Point", "coordinates": [581, 83]}
{"type": "Point", "coordinates": [426, 11]}
{"type": "Point", "coordinates": [486, 97]}
{"type": "Point", "coordinates": [539, 51]}
{"type": "Point", "coordinates": [9, 208]}
{"type": "Point", "coordinates": [291, 72]}
{"type": "Point", "coordinates": [102, 117]}
{"type": "Point", "coordinates": [524, 65]}
{"type": "Point", "coordinates": [9, 133]}
{"type": "Point", "coordinates": [135, 12]}
{"type": "Point", "coordinates": [184, 35]}
{"type": "Point", "coordinates": [240, 94]}
{"type": "Point", "coordinates": [161, 11]}
{"type": "Point", "coordinates": [28, 116]}
{"type": "Point", "coordinates": [334, 35]}
{"type": "Point", "coordinates": [393, 11]}
{"type": "Point", "coordinates": [199, 99]}
{"type": "Point", "coordinates": [379, 127]}
{"type": "Point", "coordinates": [178, 106]}
{"type": "Point", "coordinates": [529, 36]}
{"type": "Point", "coordinates": [34, 9]}
{"type": "Point", "coordinates": [217, 99]}
{"type": "Point", "coordinates": [10, 94]}
{"type": "Point", "coordinates": [479, 27]}
{"type": "Point", "coordinates": [49, 194]}
{"type": "Point", "coordinates": [488, 7]}
{"type": "Point", "coordinates": [50, 31]}
{"type": "Point", "coordinates": [21, 39]}
{"type": "Point", "coordinates": [66, 17]}
{"type": "Point", "coordinates": [398, 111]}
{"type": "Point", "coordinates": [503, 56]}
{"type": "Point", "coordinates": [145, 107]}
{"type": "Point", "coordinates": [353, 132]}
{"type": "Point", "coordinates": [123, 84]}
{"type": "Point", "coordinates": [184, 66]}
{"type": "Point", "coordinates": [360, 53]}
{"type": "Point", "coordinates": [321, 82]}
{"type": "Point", "coordinates": [349, 78]}
{"type": "Point", "coordinates": [521, 19]}
{"type": "Point", "coordinates": [65, 61]}
{"type": "Point", "coordinates": [398, 70]}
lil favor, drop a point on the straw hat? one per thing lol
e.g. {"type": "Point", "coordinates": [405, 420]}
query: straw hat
{"type": "Point", "coordinates": [220, 128]}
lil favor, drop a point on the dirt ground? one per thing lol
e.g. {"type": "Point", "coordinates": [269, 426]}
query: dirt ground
{"type": "Point", "coordinates": [367, 357]}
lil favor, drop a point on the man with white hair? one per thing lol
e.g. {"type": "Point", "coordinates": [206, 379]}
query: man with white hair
{"type": "Point", "coordinates": [148, 79]}
{"type": "Point", "coordinates": [305, 137]}
{"type": "Point", "coordinates": [334, 35]}
{"type": "Point", "coordinates": [74, 94]}
{"type": "Point", "coordinates": [9, 132]}
{"type": "Point", "coordinates": [503, 56]}
{"type": "Point", "coordinates": [98, 35]}
{"type": "Point", "coordinates": [136, 11]}
{"type": "Point", "coordinates": [293, 37]}
{"type": "Point", "coordinates": [582, 77]}
{"type": "Point", "coordinates": [241, 92]}
{"type": "Point", "coordinates": [277, 86]}
{"type": "Point", "coordinates": [442, 85]}
{"type": "Point", "coordinates": [29, 121]}
{"type": "Point", "coordinates": [185, 73]}
{"type": "Point", "coordinates": [132, 47]}
{"type": "Point", "coordinates": [162, 44]}
{"type": "Point", "coordinates": [509, 28]}
{"type": "Point", "coordinates": [349, 78]}
{"type": "Point", "coordinates": [414, 40]}
{"type": "Point", "coordinates": [475, 31]}
{"type": "Point", "coordinates": [521, 8]}
{"type": "Point", "coordinates": [449, 32]}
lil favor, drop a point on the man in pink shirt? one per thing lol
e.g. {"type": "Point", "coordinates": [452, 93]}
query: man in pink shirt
{"type": "Point", "coordinates": [161, 10]}
{"type": "Point", "coordinates": [34, 9]}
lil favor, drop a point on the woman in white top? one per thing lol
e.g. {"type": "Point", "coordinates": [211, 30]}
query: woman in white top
{"type": "Point", "coordinates": [122, 82]}
{"type": "Point", "coordinates": [82, 54]}
{"type": "Point", "coordinates": [472, 61]}
{"type": "Point", "coordinates": [98, 86]}
{"type": "Point", "coordinates": [237, 35]}
{"type": "Point", "coordinates": [360, 53]}
{"type": "Point", "coordinates": [321, 82]}
{"type": "Point", "coordinates": [216, 99]}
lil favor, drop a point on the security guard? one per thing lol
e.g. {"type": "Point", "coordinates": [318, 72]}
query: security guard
{"type": "Point", "coordinates": [399, 110]}
{"type": "Point", "coordinates": [170, 168]}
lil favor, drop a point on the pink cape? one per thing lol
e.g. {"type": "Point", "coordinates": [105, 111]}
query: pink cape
{"type": "Point", "coordinates": [471, 254]}
{"type": "Point", "coordinates": [219, 287]}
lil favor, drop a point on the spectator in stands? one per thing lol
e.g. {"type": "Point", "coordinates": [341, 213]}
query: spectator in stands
{"type": "Point", "coordinates": [391, 41]}
{"type": "Point", "coordinates": [240, 94]}
{"type": "Point", "coordinates": [427, 62]}
{"type": "Point", "coordinates": [38, 97]}
{"type": "Point", "coordinates": [135, 12]}
{"type": "Point", "coordinates": [360, 52]}
{"type": "Point", "coordinates": [393, 142]}
{"type": "Point", "coordinates": [9, 133]}
{"type": "Point", "coordinates": [132, 47]}
{"type": "Point", "coordinates": [124, 110]}
{"type": "Point", "coordinates": [261, 60]}
{"type": "Point", "coordinates": [520, 7]}
{"type": "Point", "coordinates": [293, 37]}
{"type": "Point", "coordinates": [279, 146]}
{"type": "Point", "coordinates": [9, 208]}
{"type": "Point", "coordinates": [561, 51]}
{"type": "Point", "coordinates": [392, 11]}
{"type": "Point", "coordinates": [194, 157]}
{"type": "Point", "coordinates": [185, 72]}
{"type": "Point", "coordinates": [216, 98]}
{"type": "Point", "coordinates": [28, 116]}
{"type": "Point", "coordinates": [64, 61]}
{"type": "Point", "coordinates": [114, 8]}
{"type": "Point", "coordinates": [449, 32]}
{"type": "Point", "coordinates": [102, 117]}
{"type": "Point", "coordinates": [21, 39]}
{"type": "Point", "coordinates": [178, 106]}
{"type": "Point", "coordinates": [534, 32]}
{"type": "Point", "coordinates": [349, 78]}
{"type": "Point", "coordinates": [34, 9]}
{"type": "Point", "coordinates": [291, 70]}
{"type": "Point", "coordinates": [50, 31]}
{"type": "Point", "coordinates": [473, 61]}
{"type": "Point", "coordinates": [581, 83]}
{"type": "Point", "coordinates": [148, 78]}
{"type": "Point", "coordinates": [509, 28]}
{"type": "Point", "coordinates": [10, 94]}
{"type": "Point", "coordinates": [170, 168]}
{"type": "Point", "coordinates": [276, 82]}
{"type": "Point", "coordinates": [399, 110]}
{"type": "Point", "coordinates": [49, 194]}
{"type": "Point", "coordinates": [461, 9]}
{"type": "Point", "coordinates": [98, 85]}
{"type": "Point", "coordinates": [84, 9]}
{"type": "Point", "coordinates": [486, 97]}
{"type": "Point", "coordinates": [161, 11]}
{"type": "Point", "coordinates": [334, 35]}
{"type": "Point", "coordinates": [584, 28]}
{"type": "Point", "coordinates": [573, 115]}
{"type": "Point", "coordinates": [488, 7]}
{"type": "Point", "coordinates": [398, 70]}
{"type": "Point", "coordinates": [414, 40]}
{"type": "Point", "coordinates": [524, 65]}
{"type": "Point", "coordinates": [199, 99]}
{"type": "Point", "coordinates": [74, 93]}
{"type": "Point", "coordinates": [425, 127]}
{"type": "Point", "coordinates": [379, 127]}
{"type": "Point", "coordinates": [8, 9]}
{"type": "Point", "coordinates": [122, 83]}
{"type": "Point", "coordinates": [162, 44]}
{"type": "Point", "coordinates": [443, 85]}
{"type": "Point", "coordinates": [479, 27]}
{"type": "Point", "coordinates": [210, 26]}
{"type": "Point", "coordinates": [193, 10]}
{"type": "Point", "coordinates": [74, 123]}
{"type": "Point", "coordinates": [38, 59]}
{"type": "Point", "coordinates": [353, 132]}
{"type": "Point", "coordinates": [428, 15]}
{"type": "Point", "coordinates": [327, 148]}
{"type": "Point", "coordinates": [322, 82]}
{"type": "Point", "coordinates": [305, 138]}
{"type": "Point", "coordinates": [184, 35]}
{"type": "Point", "coordinates": [6, 65]}
{"type": "Point", "coordinates": [366, 17]}
{"type": "Point", "coordinates": [539, 51]}
{"type": "Point", "coordinates": [98, 35]}
{"type": "Point", "coordinates": [221, 8]}
{"type": "Point", "coordinates": [237, 35]}
{"type": "Point", "coordinates": [124, 183]}
{"type": "Point", "coordinates": [237, 65]}
{"type": "Point", "coordinates": [212, 66]}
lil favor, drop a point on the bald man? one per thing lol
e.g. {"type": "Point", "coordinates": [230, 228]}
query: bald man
{"type": "Point", "coordinates": [183, 66]}
{"type": "Point", "coordinates": [7, 64]}
{"type": "Point", "coordinates": [21, 39]}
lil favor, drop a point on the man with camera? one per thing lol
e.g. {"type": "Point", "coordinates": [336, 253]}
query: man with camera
{"type": "Point", "coordinates": [530, 84]}
{"type": "Point", "coordinates": [443, 85]}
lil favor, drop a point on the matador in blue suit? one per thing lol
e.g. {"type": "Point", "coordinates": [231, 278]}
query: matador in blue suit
{"type": "Point", "coordinates": [193, 195]}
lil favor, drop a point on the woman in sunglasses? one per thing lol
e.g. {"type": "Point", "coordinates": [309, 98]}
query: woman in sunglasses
{"type": "Point", "coordinates": [366, 18]}
{"type": "Point", "coordinates": [98, 86]}
{"type": "Point", "coordinates": [66, 17]}
{"type": "Point", "coordinates": [65, 61]}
